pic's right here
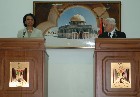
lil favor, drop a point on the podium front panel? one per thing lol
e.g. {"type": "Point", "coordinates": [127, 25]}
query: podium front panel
{"type": "Point", "coordinates": [22, 68]}
{"type": "Point", "coordinates": [117, 68]}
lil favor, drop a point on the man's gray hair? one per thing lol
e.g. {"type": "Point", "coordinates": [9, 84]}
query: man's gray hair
{"type": "Point", "coordinates": [111, 21]}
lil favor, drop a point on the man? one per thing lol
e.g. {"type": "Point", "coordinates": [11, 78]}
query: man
{"type": "Point", "coordinates": [110, 31]}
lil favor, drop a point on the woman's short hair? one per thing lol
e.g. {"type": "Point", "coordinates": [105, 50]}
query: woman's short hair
{"type": "Point", "coordinates": [24, 19]}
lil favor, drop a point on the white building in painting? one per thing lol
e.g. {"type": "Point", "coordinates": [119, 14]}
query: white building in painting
{"type": "Point", "coordinates": [77, 29]}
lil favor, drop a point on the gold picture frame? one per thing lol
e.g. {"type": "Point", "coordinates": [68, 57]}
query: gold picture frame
{"type": "Point", "coordinates": [73, 24]}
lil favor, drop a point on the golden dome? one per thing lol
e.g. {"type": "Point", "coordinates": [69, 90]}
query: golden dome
{"type": "Point", "coordinates": [77, 17]}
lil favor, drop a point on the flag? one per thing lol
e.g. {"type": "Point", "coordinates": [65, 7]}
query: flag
{"type": "Point", "coordinates": [101, 27]}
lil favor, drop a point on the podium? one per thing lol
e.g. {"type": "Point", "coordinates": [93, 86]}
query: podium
{"type": "Point", "coordinates": [22, 66]}
{"type": "Point", "coordinates": [117, 67]}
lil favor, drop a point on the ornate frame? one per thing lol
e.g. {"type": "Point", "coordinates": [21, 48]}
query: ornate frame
{"type": "Point", "coordinates": [48, 14]}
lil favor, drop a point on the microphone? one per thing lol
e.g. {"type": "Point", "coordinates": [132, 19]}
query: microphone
{"type": "Point", "coordinates": [24, 33]}
{"type": "Point", "coordinates": [114, 35]}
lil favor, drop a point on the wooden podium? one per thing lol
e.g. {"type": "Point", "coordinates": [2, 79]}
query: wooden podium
{"type": "Point", "coordinates": [22, 64]}
{"type": "Point", "coordinates": [117, 67]}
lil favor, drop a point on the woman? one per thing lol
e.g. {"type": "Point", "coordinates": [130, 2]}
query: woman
{"type": "Point", "coordinates": [29, 31]}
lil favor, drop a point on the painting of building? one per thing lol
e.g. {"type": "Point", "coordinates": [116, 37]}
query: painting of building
{"type": "Point", "coordinates": [77, 29]}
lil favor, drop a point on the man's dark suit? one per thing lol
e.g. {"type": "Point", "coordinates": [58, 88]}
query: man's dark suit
{"type": "Point", "coordinates": [117, 34]}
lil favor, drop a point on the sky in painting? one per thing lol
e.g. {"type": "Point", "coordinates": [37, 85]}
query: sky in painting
{"type": "Point", "coordinates": [69, 13]}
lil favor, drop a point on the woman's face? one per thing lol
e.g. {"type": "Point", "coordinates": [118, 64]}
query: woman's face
{"type": "Point", "coordinates": [29, 21]}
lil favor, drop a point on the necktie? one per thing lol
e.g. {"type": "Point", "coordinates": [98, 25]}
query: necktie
{"type": "Point", "coordinates": [109, 35]}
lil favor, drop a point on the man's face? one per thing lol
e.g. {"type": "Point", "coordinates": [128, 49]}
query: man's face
{"type": "Point", "coordinates": [108, 27]}
{"type": "Point", "coordinates": [29, 21]}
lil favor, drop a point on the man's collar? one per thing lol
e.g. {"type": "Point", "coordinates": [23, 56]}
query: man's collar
{"type": "Point", "coordinates": [112, 32]}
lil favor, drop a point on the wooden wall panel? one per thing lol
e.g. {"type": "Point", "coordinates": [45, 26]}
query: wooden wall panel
{"type": "Point", "coordinates": [1, 74]}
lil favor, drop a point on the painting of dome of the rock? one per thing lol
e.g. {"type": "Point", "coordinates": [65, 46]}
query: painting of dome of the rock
{"type": "Point", "coordinates": [77, 29]}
